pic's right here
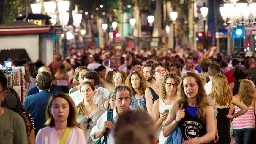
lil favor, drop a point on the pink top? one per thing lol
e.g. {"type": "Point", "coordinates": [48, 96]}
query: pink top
{"type": "Point", "coordinates": [246, 120]}
{"type": "Point", "coordinates": [48, 135]}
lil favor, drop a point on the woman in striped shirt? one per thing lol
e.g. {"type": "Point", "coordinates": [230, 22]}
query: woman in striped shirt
{"type": "Point", "coordinates": [244, 124]}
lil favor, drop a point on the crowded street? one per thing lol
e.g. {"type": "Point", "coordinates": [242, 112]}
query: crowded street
{"type": "Point", "coordinates": [128, 72]}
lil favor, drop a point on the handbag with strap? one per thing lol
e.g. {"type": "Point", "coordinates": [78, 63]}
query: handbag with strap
{"type": "Point", "coordinates": [65, 136]}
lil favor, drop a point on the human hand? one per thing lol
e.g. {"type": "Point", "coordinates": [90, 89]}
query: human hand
{"type": "Point", "coordinates": [163, 117]}
{"type": "Point", "coordinates": [180, 115]}
{"type": "Point", "coordinates": [216, 138]}
{"type": "Point", "coordinates": [230, 116]}
{"type": "Point", "coordinates": [108, 124]}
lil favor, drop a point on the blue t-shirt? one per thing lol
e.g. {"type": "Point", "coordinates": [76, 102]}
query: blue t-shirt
{"type": "Point", "coordinates": [36, 105]}
{"type": "Point", "coordinates": [54, 90]}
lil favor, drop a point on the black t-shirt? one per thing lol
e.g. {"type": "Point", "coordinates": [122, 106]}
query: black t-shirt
{"type": "Point", "coordinates": [192, 127]}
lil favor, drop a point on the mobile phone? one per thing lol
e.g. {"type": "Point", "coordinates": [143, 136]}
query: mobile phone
{"type": "Point", "coordinates": [110, 115]}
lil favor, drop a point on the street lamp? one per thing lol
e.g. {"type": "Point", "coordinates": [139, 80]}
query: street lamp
{"type": "Point", "coordinates": [204, 12]}
{"type": "Point", "coordinates": [36, 8]}
{"type": "Point", "coordinates": [132, 23]}
{"type": "Point", "coordinates": [104, 27]}
{"type": "Point", "coordinates": [114, 25]}
{"type": "Point", "coordinates": [83, 32]}
{"type": "Point", "coordinates": [174, 16]}
{"type": "Point", "coordinates": [50, 7]}
{"type": "Point", "coordinates": [151, 20]}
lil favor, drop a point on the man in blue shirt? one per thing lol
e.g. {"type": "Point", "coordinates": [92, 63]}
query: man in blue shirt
{"type": "Point", "coordinates": [53, 89]}
{"type": "Point", "coordinates": [36, 104]}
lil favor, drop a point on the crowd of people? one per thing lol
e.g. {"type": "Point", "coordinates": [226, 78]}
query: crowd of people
{"type": "Point", "coordinates": [134, 97]}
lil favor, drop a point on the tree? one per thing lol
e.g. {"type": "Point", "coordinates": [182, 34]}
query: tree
{"type": "Point", "coordinates": [12, 8]}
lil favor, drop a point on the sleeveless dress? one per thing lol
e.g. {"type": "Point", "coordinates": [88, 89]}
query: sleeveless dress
{"type": "Point", "coordinates": [162, 108]}
{"type": "Point", "coordinates": [223, 125]}
{"type": "Point", "coordinates": [138, 103]}
{"type": "Point", "coordinates": [154, 95]}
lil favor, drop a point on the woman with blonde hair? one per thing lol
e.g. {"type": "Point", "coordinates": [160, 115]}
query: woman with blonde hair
{"type": "Point", "coordinates": [192, 112]}
{"type": "Point", "coordinates": [61, 123]}
{"type": "Point", "coordinates": [167, 97]}
{"type": "Point", "coordinates": [244, 125]}
{"type": "Point", "coordinates": [137, 83]}
{"type": "Point", "coordinates": [222, 99]}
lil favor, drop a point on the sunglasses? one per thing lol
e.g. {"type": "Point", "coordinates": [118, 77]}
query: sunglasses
{"type": "Point", "coordinates": [88, 123]}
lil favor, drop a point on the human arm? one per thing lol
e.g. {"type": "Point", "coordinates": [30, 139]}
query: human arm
{"type": "Point", "coordinates": [149, 101]}
{"type": "Point", "coordinates": [242, 106]}
{"type": "Point", "coordinates": [172, 122]}
{"type": "Point", "coordinates": [102, 124]}
{"type": "Point", "coordinates": [210, 128]}
{"type": "Point", "coordinates": [207, 54]}
{"type": "Point", "coordinates": [157, 117]}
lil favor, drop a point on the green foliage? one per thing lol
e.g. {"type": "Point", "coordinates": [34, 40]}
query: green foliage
{"type": "Point", "coordinates": [12, 9]}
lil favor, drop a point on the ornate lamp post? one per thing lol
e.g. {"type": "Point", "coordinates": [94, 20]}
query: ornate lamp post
{"type": "Point", "coordinates": [204, 12]}
{"type": "Point", "coordinates": [132, 23]}
{"type": "Point", "coordinates": [174, 16]}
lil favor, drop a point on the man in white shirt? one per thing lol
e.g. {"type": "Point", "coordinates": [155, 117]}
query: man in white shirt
{"type": "Point", "coordinates": [95, 64]}
{"type": "Point", "coordinates": [121, 97]}
{"type": "Point", "coordinates": [213, 69]}
{"type": "Point", "coordinates": [189, 66]}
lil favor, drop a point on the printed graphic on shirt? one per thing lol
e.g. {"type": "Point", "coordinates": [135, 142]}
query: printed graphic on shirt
{"type": "Point", "coordinates": [192, 129]}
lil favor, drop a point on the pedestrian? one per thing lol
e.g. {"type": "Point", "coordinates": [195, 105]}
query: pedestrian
{"type": "Point", "coordinates": [103, 130]}
{"type": "Point", "coordinates": [62, 127]}
{"type": "Point", "coordinates": [12, 126]}
{"type": "Point", "coordinates": [192, 112]}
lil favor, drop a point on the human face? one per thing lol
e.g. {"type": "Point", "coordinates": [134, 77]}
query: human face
{"type": "Point", "coordinates": [135, 81]}
{"type": "Point", "coordinates": [102, 73]}
{"type": "Point", "coordinates": [175, 70]}
{"type": "Point", "coordinates": [89, 80]}
{"type": "Point", "coordinates": [138, 67]}
{"type": "Point", "coordinates": [122, 100]}
{"type": "Point", "coordinates": [190, 87]}
{"type": "Point", "coordinates": [170, 86]}
{"type": "Point", "coordinates": [81, 74]}
{"type": "Point", "coordinates": [160, 73]}
{"type": "Point", "coordinates": [117, 77]}
{"type": "Point", "coordinates": [189, 63]}
{"type": "Point", "coordinates": [60, 109]}
{"type": "Point", "coordinates": [87, 93]}
{"type": "Point", "coordinates": [146, 73]}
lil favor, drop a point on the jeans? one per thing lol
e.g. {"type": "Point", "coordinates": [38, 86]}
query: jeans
{"type": "Point", "coordinates": [242, 135]}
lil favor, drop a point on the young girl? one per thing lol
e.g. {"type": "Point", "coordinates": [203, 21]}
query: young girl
{"type": "Point", "coordinates": [192, 112]}
{"type": "Point", "coordinates": [61, 123]}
